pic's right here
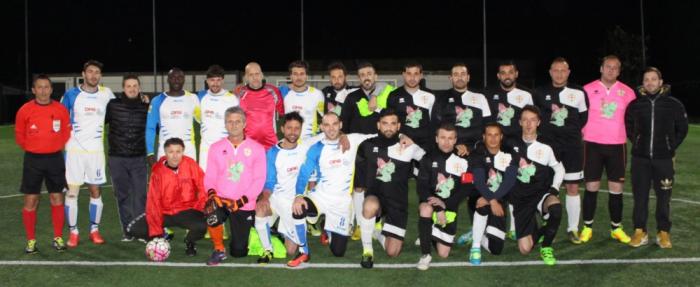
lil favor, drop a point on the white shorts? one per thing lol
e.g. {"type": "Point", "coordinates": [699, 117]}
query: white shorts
{"type": "Point", "coordinates": [85, 167]}
{"type": "Point", "coordinates": [337, 211]}
{"type": "Point", "coordinates": [282, 208]}
{"type": "Point", "coordinates": [190, 150]}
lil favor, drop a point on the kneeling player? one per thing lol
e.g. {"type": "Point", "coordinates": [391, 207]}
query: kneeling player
{"type": "Point", "coordinates": [539, 176]}
{"type": "Point", "coordinates": [235, 171]}
{"type": "Point", "coordinates": [386, 163]}
{"type": "Point", "coordinates": [175, 198]}
{"type": "Point", "coordinates": [443, 183]}
{"type": "Point", "coordinates": [494, 169]}
{"type": "Point", "coordinates": [283, 163]}
{"type": "Point", "coordinates": [331, 195]}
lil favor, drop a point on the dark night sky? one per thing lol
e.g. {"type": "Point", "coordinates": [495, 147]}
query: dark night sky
{"type": "Point", "coordinates": [195, 34]}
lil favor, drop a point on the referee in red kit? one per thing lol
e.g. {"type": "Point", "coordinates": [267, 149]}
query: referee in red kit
{"type": "Point", "coordinates": [42, 128]}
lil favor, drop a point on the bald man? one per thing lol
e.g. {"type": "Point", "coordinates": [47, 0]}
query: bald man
{"type": "Point", "coordinates": [262, 104]}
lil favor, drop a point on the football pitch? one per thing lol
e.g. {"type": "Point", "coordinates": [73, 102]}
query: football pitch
{"type": "Point", "coordinates": [601, 261]}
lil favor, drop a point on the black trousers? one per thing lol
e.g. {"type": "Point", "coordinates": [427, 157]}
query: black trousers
{"type": "Point", "coordinates": [130, 186]}
{"type": "Point", "coordinates": [192, 220]}
{"type": "Point", "coordinates": [645, 174]}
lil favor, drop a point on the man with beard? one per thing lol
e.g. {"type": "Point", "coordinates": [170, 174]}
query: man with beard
{"type": "Point", "coordinates": [506, 101]}
{"type": "Point", "coordinates": [214, 102]}
{"type": "Point", "coordinates": [359, 114]}
{"type": "Point", "coordinates": [656, 125]}
{"type": "Point", "coordinates": [564, 108]}
{"type": "Point", "coordinates": [85, 158]}
{"type": "Point", "coordinates": [303, 99]}
{"type": "Point", "coordinates": [387, 166]}
{"type": "Point", "coordinates": [414, 105]}
{"type": "Point", "coordinates": [338, 91]}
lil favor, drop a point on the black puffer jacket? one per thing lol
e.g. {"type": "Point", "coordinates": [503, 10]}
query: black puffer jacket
{"type": "Point", "coordinates": [656, 124]}
{"type": "Point", "coordinates": [127, 126]}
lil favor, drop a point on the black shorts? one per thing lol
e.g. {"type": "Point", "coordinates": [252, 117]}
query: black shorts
{"type": "Point", "coordinates": [525, 211]}
{"type": "Point", "coordinates": [43, 167]}
{"type": "Point", "coordinates": [394, 213]}
{"type": "Point", "coordinates": [572, 159]}
{"type": "Point", "coordinates": [445, 235]}
{"type": "Point", "coordinates": [241, 222]}
{"type": "Point", "coordinates": [599, 156]}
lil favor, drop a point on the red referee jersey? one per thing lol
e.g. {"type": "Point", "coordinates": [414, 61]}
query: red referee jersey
{"type": "Point", "coordinates": [42, 128]}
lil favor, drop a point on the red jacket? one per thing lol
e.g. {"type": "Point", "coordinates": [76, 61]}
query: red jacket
{"type": "Point", "coordinates": [170, 192]}
{"type": "Point", "coordinates": [42, 128]}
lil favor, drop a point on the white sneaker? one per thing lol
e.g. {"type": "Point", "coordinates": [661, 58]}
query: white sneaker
{"type": "Point", "coordinates": [424, 262]}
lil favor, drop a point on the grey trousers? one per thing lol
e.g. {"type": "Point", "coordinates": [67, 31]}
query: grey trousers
{"type": "Point", "coordinates": [129, 182]}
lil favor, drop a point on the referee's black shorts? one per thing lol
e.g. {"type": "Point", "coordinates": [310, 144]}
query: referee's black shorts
{"type": "Point", "coordinates": [43, 167]}
{"type": "Point", "coordinates": [611, 157]}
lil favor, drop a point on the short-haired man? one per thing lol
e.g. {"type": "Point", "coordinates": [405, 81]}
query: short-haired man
{"type": "Point", "coordinates": [303, 98]}
{"type": "Point", "coordinates": [213, 102]}
{"type": "Point", "coordinates": [339, 89]}
{"type": "Point", "coordinates": [42, 128]}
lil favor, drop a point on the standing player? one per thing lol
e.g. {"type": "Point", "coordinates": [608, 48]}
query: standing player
{"type": "Point", "coordinates": [85, 157]}
{"type": "Point", "coordinates": [468, 110]}
{"type": "Point", "coordinates": [213, 102]}
{"type": "Point", "coordinates": [126, 117]}
{"type": "Point", "coordinates": [656, 125]}
{"type": "Point", "coordinates": [443, 183]}
{"type": "Point", "coordinates": [336, 93]}
{"type": "Point", "coordinates": [540, 175]}
{"type": "Point", "coordinates": [333, 168]}
{"type": "Point", "coordinates": [303, 99]}
{"type": "Point", "coordinates": [42, 128]}
{"type": "Point", "coordinates": [262, 104]}
{"type": "Point", "coordinates": [564, 108]}
{"type": "Point", "coordinates": [604, 146]}
{"type": "Point", "coordinates": [235, 170]}
{"type": "Point", "coordinates": [495, 169]}
{"type": "Point", "coordinates": [414, 106]}
{"type": "Point", "coordinates": [359, 114]}
{"type": "Point", "coordinates": [387, 166]}
{"type": "Point", "coordinates": [172, 113]}
{"type": "Point", "coordinates": [506, 101]}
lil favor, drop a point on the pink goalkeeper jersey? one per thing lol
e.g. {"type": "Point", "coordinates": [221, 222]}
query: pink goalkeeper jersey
{"type": "Point", "coordinates": [606, 112]}
{"type": "Point", "coordinates": [236, 171]}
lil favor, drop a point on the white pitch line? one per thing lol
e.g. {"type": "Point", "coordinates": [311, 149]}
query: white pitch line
{"type": "Point", "coordinates": [350, 266]}
{"type": "Point", "coordinates": [43, 191]}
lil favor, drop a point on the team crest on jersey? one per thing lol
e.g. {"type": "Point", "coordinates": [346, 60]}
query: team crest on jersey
{"type": "Point", "coordinates": [56, 126]}
{"type": "Point", "coordinates": [526, 171]}
{"type": "Point", "coordinates": [559, 115]}
{"type": "Point", "coordinates": [385, 169]}
{"type": "Point", "coordinates": [444, 187]}
{"type": "Point", "coordinates": [464, 117]}
{"type": "Point", "coordinates": [247, 151]}
{"type": "Point", "coordinates": [413, 117]}
{"type": "Point", "coordinates": [494, 180]}
{"type": "Point", "coordinates": [621, 93]}
{"type": "Point", "coordinates": [502, 160]}
{"type": "Point", "coordinates": [505, 114]}
{"type": "Point", "coordinates": [235, 170]}
{"type": "Point", "coordinates": [607, 109]}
